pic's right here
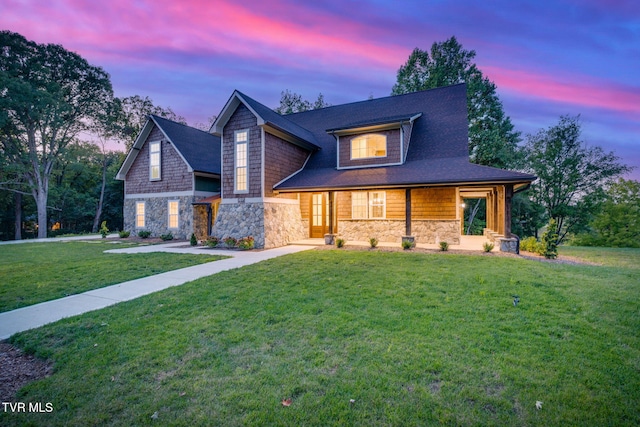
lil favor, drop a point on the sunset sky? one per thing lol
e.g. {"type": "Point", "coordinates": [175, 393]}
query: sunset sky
{"type": "Point", "coordinates": [547, 58]}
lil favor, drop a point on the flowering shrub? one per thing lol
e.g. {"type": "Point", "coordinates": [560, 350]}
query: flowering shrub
{"type": "Point", "coordinates": [246, 243]}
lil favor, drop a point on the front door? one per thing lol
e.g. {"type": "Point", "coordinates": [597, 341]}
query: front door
{"type": "Point", "coordinates": [319, 223]}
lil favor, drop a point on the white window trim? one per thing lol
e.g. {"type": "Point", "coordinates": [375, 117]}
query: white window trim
{"type": "Point", "coordinates": [144, 215]}
{"type": "Point", "coordinates": [177, 202]}
{"type": "Point", "coordinates": [386, 146]}
{"type": "Point", "coordinates": [151, 144]}
{"type": "Point", "coordinates": [369, 202]}
{"type": "Point", "coordinates": [235, 161]}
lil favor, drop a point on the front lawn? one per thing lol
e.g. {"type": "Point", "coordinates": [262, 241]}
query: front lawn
{"type": "Point", "coordinates": [35, 272]}
{"type": "Point", "coordinates": [354, 338]}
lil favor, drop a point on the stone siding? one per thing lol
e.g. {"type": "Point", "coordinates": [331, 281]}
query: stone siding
{"type": "Point", "coordinates": [240, 220]}
{"type": "Point", "coordinates": [424, 231]}
{"type": "Point", "coordinates": [270, 224]}
{"type": "Point", "coordinates": [362, 230]}
{"type": "Point", "coordinates": [282, 224]}
{"type": "Point", "coordinates": [157, 216]}
{"type": "Point", "coordinates": [435, 231]}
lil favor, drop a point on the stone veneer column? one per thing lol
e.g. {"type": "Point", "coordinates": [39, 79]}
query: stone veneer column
{"type": "Point", "coordinates": [270, 224]}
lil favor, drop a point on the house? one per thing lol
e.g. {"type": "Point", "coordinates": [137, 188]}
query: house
{"type": "Point", "coordinates": [171, 180]}
{"type": "Point", "coordinates": [392, 168]}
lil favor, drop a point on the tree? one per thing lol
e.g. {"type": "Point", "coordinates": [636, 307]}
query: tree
{"type": "Point", "coordinates": [291, 102]}
{"type": "Point", "coordinates": [492, 139]}
{"type": "Point", "coordinates": [48, 95]}
{"type": "Point", "coordinates": [571, 175]}
{"type": "Point", "coordinates": [127, 121]}
{"type": "Point", "coordinates": [618, 222]}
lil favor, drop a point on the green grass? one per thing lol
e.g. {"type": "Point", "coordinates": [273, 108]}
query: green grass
{"type": "Point", "coordinates": [413, 339]}
{"type": "Point", "coordinates": [37, 272]}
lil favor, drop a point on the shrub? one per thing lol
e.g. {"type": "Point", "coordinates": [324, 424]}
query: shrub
{"type": "Point", "coordinates": [444, 246]}
{"type": "Point", "coordinates": [488, 246]}
{"type": "Point", "coordinates": [124, 234]}
{"type": "Point", "coordinates": [373, 242]}
{"type": "Point", "coordinates": [212, 242]}
{"type": "Point", "coordinates": [193, 241]}
{"type": "Point", "coordinates": [230, 242]}
{"type": "Point", "coordinates": [408, 244]}
{"type": "Point", "coordinates": [104, 230]}
{"type": "Point", "coordinates": [143, 234]}
{"type": "Point", "coordinates": [549, 241]}
{"type": "Point", "coordinates": [168, 236]}
{"type": "Point", "coordinates": [246, 243]}
{"type": "Point", "coordinates": [530, 244]}
{"type": "Point", "coordinates": [340, 242]}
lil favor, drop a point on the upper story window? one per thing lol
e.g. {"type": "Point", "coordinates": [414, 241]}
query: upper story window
{"type": "Point", "coordinates": [368, 146]}
{"type": "Point", "coordinates": [241, 138]}
{"type": "Point", "coordinates": [154, 161]}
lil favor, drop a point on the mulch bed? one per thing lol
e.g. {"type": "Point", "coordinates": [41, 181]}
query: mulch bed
{"type": "Point", "coordinates": [17, 369]}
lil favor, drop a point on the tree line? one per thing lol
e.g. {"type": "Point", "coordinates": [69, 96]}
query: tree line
{"type": "Point", "coordinates": [58, 114]}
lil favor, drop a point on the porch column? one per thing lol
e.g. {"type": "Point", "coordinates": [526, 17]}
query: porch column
{"type": "Point", "coordinates": [508, 195]}
{"type": "Point", "coordinates": [331, 215]}
{"type": "Point", "coordinates": [408, 212]}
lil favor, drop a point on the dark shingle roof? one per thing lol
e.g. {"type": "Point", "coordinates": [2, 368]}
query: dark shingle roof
{"type": "Point", "coordinates": [200, 149]}
{"type": "Point", "coordinates": [280, 122]}
{"type": "Point", "coordinates": [438, 149]}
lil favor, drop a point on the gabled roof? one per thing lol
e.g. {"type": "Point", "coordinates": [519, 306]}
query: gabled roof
{"type": "Point", "coordinates": [199, 150]}
{"type": "Point", "coordinates": [266, 117]}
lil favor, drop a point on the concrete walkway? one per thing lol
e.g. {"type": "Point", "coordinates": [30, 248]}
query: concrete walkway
{"type": "Point", "coordinates": [37, 315]}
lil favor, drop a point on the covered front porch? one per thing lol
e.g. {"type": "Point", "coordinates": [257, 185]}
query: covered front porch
{"type": "Point", "coordinates": [429, 215]}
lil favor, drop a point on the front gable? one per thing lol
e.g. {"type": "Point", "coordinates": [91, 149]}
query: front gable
{"type": "Point", "coordinates": [174, 173]}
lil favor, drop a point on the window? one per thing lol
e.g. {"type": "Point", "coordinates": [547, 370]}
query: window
{"type": "Point", "coordinates": [368, 205]}
{"type": "Point", "coordinates": [140, 208]}
{"type": "Point", "coordinates": [154, 161]}
{"type": "Point", "coordinates": [368, 146]}
{"type": "Point", "coordinates": [241, 141]}
{"type": "Point", "coordinates": [173, 213]}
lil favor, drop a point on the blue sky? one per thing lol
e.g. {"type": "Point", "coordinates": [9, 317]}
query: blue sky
{"type": "Point", "coordinates": [547, 58]}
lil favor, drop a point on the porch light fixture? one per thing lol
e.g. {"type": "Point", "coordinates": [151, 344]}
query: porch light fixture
{"type": "Point", "coordinates": [463, 205]}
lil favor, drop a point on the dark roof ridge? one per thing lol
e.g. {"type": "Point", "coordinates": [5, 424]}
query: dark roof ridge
{"type": "Point", "coordinates": [374, 99]}
{"type": "Point", "coordinates": [155, 116]}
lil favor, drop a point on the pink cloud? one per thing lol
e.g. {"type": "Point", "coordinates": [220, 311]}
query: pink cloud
{"type": "Point", "coordinates": [578, 91]}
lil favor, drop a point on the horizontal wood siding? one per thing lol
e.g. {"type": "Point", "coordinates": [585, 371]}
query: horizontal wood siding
{"type": "Point", "coordinates": [241, 119]}
{"type": "Point", "coordinates": [174, 172]}
{"type": "Point", "coordinates": [281, 160]}
{"type": "Point", "coordinates": [433, 203]}
{"type": "Point", "coordinates": [393, 150]}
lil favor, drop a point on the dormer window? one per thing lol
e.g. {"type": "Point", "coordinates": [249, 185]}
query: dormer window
{"type": "Point", "coordinates": [369, 146]}
{"type": "Point", "coordinates": [154, 161]}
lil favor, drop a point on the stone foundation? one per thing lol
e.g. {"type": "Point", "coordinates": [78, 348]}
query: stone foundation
{"type": "Point", "coordinates": [436, 231]}
{"type": "Point", "coordinates": [363, 230]}
{"type": "Point", "coordinates": [157, 216]}
{"type": "Point", "coordinates": [424, 231]}
{"type": "Point", "coordinates": [270, 224]}
{"type": "Point", "coordinates": [282, 224]}
{"type": "Point", "coordinates": [511, 245]}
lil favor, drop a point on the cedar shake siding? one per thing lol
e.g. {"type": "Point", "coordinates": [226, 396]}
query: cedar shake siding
{"type": "Point", "coordinates": [282, 159]}
{"type": "Point", "coordinates": [174, 173]}
{"type": "Point", "coordinates": [241, 119]}
{"type": "Point", "coordinates": [393, 150]}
